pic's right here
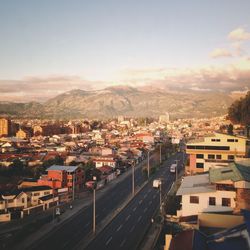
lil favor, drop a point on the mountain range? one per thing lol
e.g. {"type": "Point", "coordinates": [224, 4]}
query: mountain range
{"type": "Point", "coordinates": [122, 100]}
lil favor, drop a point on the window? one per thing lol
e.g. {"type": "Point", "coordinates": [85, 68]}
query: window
{"type": "Point", "coordinates": [46, 193]}
{"type": "Point", "coordinates": [226, 202]}
{"type": "Point", "coordinates": [199, 165]}
{"type": "Point", "coordinates": [199, 156]}
{"type": "Point", "coordinates": [208, 147]}
{"type": "Point", "coordinates": [194, 199]}
{"type": "Point", "coordinates": [23, 200]}
{"type": "Point", "coordinates": [230, 157]}
{"type": "Point", "coordinates": [215, 140]}
{"type": "Point", "coordinates": [218, 157]}
{"type": "Point", "coordinates": [230, 140]}
{"type": "Point", "coordinates": [212, 201]}
{"type": "Point", "coordinates": [36, 194]}
{"type": "Point", "coordinates": [211, 156]}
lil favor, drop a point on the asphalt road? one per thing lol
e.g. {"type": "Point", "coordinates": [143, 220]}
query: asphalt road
{"type": "Point", "coordinates": [76, 229]}
{"type": "Point", "coordinates": [128, 228]}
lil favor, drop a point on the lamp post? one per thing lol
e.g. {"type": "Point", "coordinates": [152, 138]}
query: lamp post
{"type": "Point", "coordinates": [133, 178]}
{"type": "Point", "coordinates": [148, 164]}
{"type": "Point", "coordinates": [176, 170]}
{"type": "Point", "coordinates": [53, 193]}
{"type": "Point", "coordinates": [73, 186]}
{"type": "Point", "coordinates": [160, 153]}
{"type": "Point", "coordinates": [94, 187]}
{"type": "Point", "coordinates": [160, 197]}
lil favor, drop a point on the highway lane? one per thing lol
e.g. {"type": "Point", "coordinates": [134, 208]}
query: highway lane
{"type": "Point", "coordinates": [128, 228]}
{"type": "Point", "coordinates": [74, 230]}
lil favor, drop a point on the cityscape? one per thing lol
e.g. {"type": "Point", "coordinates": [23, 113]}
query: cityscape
{"type": "Point", "coordinates": [125, 125]}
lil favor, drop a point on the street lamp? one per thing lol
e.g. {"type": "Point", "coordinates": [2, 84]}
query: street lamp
{"type": "Point", "coordinates": [148, 164]}
{"type": "Point", "coordinates": [133, 178]}
{"type": "Point", "coordinates": [160, 153]}
{"type": "Point", "coordinates": [94, 187]}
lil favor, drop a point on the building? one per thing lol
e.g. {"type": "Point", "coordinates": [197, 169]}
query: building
{"type": "Point", "coordinates": [63, 176]}
{"type": "Point", "coordinates": [224, 189]}
{"type": "Point", "coordinates": [23, 133]}
{"type": "Point", "coordinates": [215, 151]}
{"type": "Point", "coordinates": [24, 201]}
{"type": "Point", "coordinates": [164, 118]}
{"type": "Point", "coordinates": [5, 127]}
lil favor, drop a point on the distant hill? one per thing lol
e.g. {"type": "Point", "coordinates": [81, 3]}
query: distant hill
{"type": "Point", "coordinates": [123, 100]}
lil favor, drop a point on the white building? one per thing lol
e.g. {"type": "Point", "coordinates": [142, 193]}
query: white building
{"type": "Point", "coordinates": [199, 195]}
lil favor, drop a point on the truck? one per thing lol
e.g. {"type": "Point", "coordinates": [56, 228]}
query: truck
{"type": "Point", "coordinates": [173, 168]}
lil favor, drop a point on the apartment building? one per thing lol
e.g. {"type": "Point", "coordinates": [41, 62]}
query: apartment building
{"type": "Point", "coordinates": [225, 189]}
{"type": "Point", "coordinates": [63, 176]}
{"type": "Point", "coordinates": [214, 151]}
{"type": "Point", "coordinates": [5, 127]}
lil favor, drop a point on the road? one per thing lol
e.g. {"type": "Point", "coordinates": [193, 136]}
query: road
{"type": "Point", "coordinates": [128, 228]}
{"type": "Point", "coordinates": [77, 228]}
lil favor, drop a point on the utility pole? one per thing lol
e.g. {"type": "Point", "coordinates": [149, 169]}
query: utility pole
{"type": "Point", "coordinates": [73, 186]}
{"type": "Point", "coordinates": [176, 170]}
{"type": "Point", "coordinates": [148, 164]}
{"type": "Point", "coordinates": [160, 197]}
{"type": "Point", "coordinates": [94, 187]}
{"type": "Point", "coordinates": [53, 192]}
{"type": "Point", "coordinates": [133, 178]}
{"type": "Point", "coordinates": [160, 153]}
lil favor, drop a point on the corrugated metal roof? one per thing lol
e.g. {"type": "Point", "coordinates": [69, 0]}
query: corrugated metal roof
{"type": "Point", "coordinates": [63, 168]}
{"type": "Point", "coordinates": [236, 171]}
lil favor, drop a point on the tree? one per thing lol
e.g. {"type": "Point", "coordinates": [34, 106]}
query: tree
{"type": "Point", "coordinates": [230, 129]}
{"type": "Point", "coordinates": [239, 111]}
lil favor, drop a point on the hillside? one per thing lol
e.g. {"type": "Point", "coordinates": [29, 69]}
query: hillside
{"type": "Point", "coordinates": [122, 100]}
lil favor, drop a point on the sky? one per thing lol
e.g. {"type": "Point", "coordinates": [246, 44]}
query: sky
{"type": "Point", "coordinates": [51, 46]}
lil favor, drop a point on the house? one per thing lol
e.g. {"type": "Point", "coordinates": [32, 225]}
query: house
{"type": "Point", "coordinates": [21, 202]}
{"type": "Point", "coordinates": [63, 176]}
{"type": "Point", "coordinates": [221, 190]}
{"type": "Point", "coordinates": [213, 151]}
{"type": "Point", "coordinates": [105, 161]}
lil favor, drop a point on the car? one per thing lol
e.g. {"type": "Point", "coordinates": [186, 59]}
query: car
{"type": "Point", "coordinates": [173, 168]}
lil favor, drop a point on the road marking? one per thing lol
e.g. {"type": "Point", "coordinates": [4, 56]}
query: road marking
{"type": "Point", "coordinates": [145, 210]}
{"type": "Point", "coordinates": [140, 202]}
{"type": "Point", "coordinates": [139, 218]}
{"type": "Point", "coordinates": [97, 216]}
{"type": "Point", "coordinates": [149, 191]}
{"type": "Point", "coordinates": [132, 229]}
{"type": "Point", "coordinates": [150, 202]}
{"type": "Point", "coordinates": [123, 242]}
{"type": "Point", "coordinates": [134, 208]}
{"type": "Point", "coordinates": [128, 217]}
{"type": "Point", "coordinates": [108, 241]}
{"type": "Point", "coordinates": [154, 196]}
{"type": "Point", "coordinates": [145, 196]}
{"type": "Point", "coordinates": [86, 225]}
{"type": "Point", "coordinates": [118, 229]}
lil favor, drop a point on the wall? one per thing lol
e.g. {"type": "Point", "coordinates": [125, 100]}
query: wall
{"type": "Point", "coordinates": [203, 206]}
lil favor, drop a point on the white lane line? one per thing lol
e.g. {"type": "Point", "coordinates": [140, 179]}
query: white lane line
{"type": "Point", "coordinates": [123, 242]}
{"type": "Point", "coordinates": [140, 202]}
{"type": "Point", "coordinates": [139, 218]}
{"type": "Point", "coordinates": [119, 228]}
{"type": "Point", "coordinates": [132, 229]}
{"type": "Point", "coordinates": [145, 195]}
{"type": "Point", "coordinates": [128, 217]}
{"type": "Point", "coordinates": [145, 210]}
{"type": "Point", "coordinates": [108, 241]}
{"type": "Point", "coordinates": [154, 196]}
{"type": "Point", "coordinates": [150, 202]}
{"type": "Point", "coordinates": [149, 191]}
{"type": "Point", "coordinates": [134, 208]}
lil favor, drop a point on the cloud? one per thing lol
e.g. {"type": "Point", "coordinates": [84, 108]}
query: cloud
{"type": "Point", "coordinates": [42, 88]}
{"type": "Point", "coordinates": [239, 34]}
{"type": "Point", "coordinates": [228, 77]}
{"type": "Point", "coordinates": [220, 52]}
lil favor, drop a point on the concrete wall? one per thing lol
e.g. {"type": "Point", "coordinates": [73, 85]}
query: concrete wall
{"type": "Point", "coordinates": [189, 209]}
{"type": "Point", "coordinates": [5, 217]}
